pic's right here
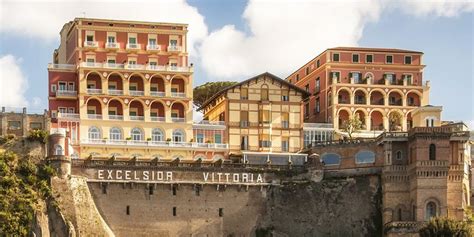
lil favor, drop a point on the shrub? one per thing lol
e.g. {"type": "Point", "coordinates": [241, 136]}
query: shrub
{"type": "Point", "coordinates": [441, 227]}
{"type": "Point", "coordinates": [38, 135]}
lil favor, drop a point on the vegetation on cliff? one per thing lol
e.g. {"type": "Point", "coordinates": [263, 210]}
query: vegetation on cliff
{"type": "Point", "coordinates": [204, 92]}
{"type": "Point", "coordinates": [441, 227]}
{"type": "Point", "coordinates": [23, 183]}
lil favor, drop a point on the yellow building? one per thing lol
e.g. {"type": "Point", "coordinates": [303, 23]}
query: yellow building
{"type": "Point", "coordinates": [264, 118]}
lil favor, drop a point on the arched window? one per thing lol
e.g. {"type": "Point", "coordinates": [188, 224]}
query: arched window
{"type": "Point", "coordinates": [264, 92]}
{"type": "Point", "coordinates": [94, 133]}
{"type": "Point", "coordinates": [430, 211]}
{"type": "Point", "coordinates": [331, 159]}
{"type": "Point", "coordinates": [399, 214]}
{"type": "Point", "coordinates": [399, 155]}
{"type": "Point", "coordinates": [58, 150]}
{"type": "Point", "coordinates": [178, 136]}
{"type": "Point", "coordinates": [157, 135]}
{"type": "Point", "coordinates": [432, 152]}
{"type": "Point", "coordinates": [115, 133]}
{"type": "Point", "coordinates": [365, 157]}
{"type": "Point", "coordinates": [136, 134]}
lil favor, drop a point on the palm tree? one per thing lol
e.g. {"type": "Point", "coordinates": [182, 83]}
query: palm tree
{"type": "Point", "coordinates": [444, 227]}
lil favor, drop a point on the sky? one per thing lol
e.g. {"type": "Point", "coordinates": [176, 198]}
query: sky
{"type": "Point", "coordinates": [236, 39]}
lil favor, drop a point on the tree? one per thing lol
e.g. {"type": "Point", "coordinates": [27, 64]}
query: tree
{"type": "Point", "coordinates": [443, 227]}
{"type": "Point", "coordinates": [207, 90]}
{"type": "Point", "coordinates": [352, 125]}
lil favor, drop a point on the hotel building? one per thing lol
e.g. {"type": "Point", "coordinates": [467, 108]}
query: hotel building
{"type": "Point", "coordinates": [124, 89]}
{"type": "Point", "coordinates": [264, 119]}
{"type": "Point", "coordinates": [380, 86]}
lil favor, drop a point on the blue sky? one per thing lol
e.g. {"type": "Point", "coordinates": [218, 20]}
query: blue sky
{"type": "Point", "coordinates": [233, 40]}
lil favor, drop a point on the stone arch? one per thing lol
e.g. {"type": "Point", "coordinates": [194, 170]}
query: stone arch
{"type": "Point", "coordinates": [93, 72]}
{"type": "Point", "coordinates": [396, 97]}
{"type": "Point", "coordinates": [376, 119]}
{"type": "Point", "coordinates": [199, 157]}
{"type": "Point", "coordinates": [413, 98]}
{"type": "Point", "coordinates": [395, 118]}
{"type": "Point", "coordinates": [360, 96]}
{"type": "Point", "coordinates": [217, 157]}
{"type": "Point", "coordinates": [344, 95]}
{"type": "Point", "coordinates": [158, 109]}
{"type": "Point", "coordinates": [343, 114]}
{"type": "Point", "coordinates": [431, 208]}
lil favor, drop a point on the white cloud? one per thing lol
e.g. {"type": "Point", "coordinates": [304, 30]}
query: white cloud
{"type": "Point", "coordinates": [36, 102]}
{"type": "Point", "coordinates": [286, 34]}
{"type": "Point", "coordinates": [44, 19]}
{"type": "Point", "coordinates": [13, 83]}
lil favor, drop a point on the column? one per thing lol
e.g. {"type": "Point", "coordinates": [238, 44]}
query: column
{"type": "Point", "coordinates": [367, 122]}
{"type": "Point", "coordinates": [404, 123]}
{"type": "Point", "coordinates": [385, 123]}
{"type": "Point", "coordinates": [126, 85]}
{"type": "Point", "coordinates": [105, 111]}
{"type": "Point", "coordinates": [404, 100]}
{"type": "Point", "coordinates": [105, 86]}
{"type": "Point", "coordinates": [146, 113]}
{"type": "Point", "coordinates": [126, 111]}
{"type": "Point", "coordinates": [146, 87]}
{"type": "Point", "coordinates": [168, 114]}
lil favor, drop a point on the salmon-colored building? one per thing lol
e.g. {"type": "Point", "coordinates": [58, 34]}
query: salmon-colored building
{"type": "Point", "coordinates": [381, 86]}
{"type": "Point", "coordinates": [124, 89]}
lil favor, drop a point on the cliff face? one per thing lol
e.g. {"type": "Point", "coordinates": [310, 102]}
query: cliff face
{"type": "Point", "coordinates": [337, 207]}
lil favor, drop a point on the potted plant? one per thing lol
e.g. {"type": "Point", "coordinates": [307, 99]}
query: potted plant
{"type": "Point", "coordinates": [208, 141]}
{"type": "Point", "coordinates": [104, 139]}
{"type": "Point", "coordinates": [148, 139]}
{"type": "Point", "coordinates": [168, 140]}
{"type": "Point", "coordinates": [191, 140]}
{"type": "Point", "coordinates": [128, 138]}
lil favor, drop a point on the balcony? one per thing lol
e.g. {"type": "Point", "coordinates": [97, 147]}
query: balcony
{"type": "Point", "coordinates": [137, 118]}
{"type": "Point", "coordinates": [395, 102]}
{"type": "Point", "coordinates": [94, 116]}
{"type": "Point", "coordinates": [72, 116]}
{"type": "Point", "coordinates": [157, 93]}
{"type": "Point", "coordinates": [178, 120]}
{"type": "Point", "coordinates": [153, 47]}
{"type": "Point", "coordinates": [135, 66]}
{"type": "Point", "coordinates": [360, 101]}
{"type": "Point", "coordinates": [112, 45]}
{"type": "Point", "coordinates": [155, 143]}
{"type": "Point", "coordinates": [137, 93]}
{"type": "Point", "coordinates": [91, 44]}
{"type": "Point", "coordinates": [174, 48]}
{"type": "Point", "coordinates": [115, 117]}
{"type": "Point", "coordinates": [178, 69]}
{"type": "Point", "coordinates": [155, 67]}
{"type": "Point", "coordinates": [61, 66]}
{"type": "Point", "coordinates": [66, 93]}
{"type": "Point", "coordinates": [93, 91]}
{"type": "Point", "coordinates": [178, 94]}
{"type": "Point", "coordinates": [157, 119]}
{"type": "Point", "coordinates": [207, 122]}
{"type": "Point", "coordinates": [133, 46]}
{"type": "Point", "coordinates": [113, 65]}
{"type": "Point", "coordinates": [115, 92]}
{"type": "Point", "coordinates": [160, 68]}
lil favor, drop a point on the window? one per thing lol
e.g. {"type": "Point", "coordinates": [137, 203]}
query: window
{"type": "Point", "coordinates": [62, 86]}
{"type": "Point", "coordinates": [317, 86]}
{"type": "Point", "coordinates": [152, 42]}
{"type": "Point", "coordinates": [336, 75]}
{"type": "Point", "coordinates": [407, 59]}
{"type": "Point", "coordinates": [221, 212]}
{"type": "Point", "coordinates": [89, 38]}
{"type": "Point", "coordinates": [128, 210]}
{"type": "Point", "coordinates": [244, 143]}
{"type": "Point", "coordinates": [430, 211]}
{"type": "Point", "coordinates": [389, 59]}
{"type": "Point", "coordinates": [306, 88]}
{"type": "Point", "coordinates": [200, 138]}
{"type": "Point", "coordinates": [355, 58]}
{"type": "Point", "coordinates": [115, 134]}
{"type": "Point", "coordinates": [136, 134]}
{"type": "Point", "coordinates": [307, 70]}
{"type": "Point", "coordinates": [318, 64]}
{"type": "Point", "coordinates": [58, 150]}
{"type": "Point", "coordinates": [285, 123]}
{"type": "Point", "coordinates": [264, 93]}
{"type": "Point", "coordinates": [306, 110]}
{"type": "Point", "coordinates": [265, 141]}
{"type": "Point", "coordinates": [244, 119]}
{"type": "Point", "coordinates": [318, 106]}
{"type": "Point", "coordinates": [408, 79]}
{"type": "Point", "coordinates": [335, 57]}
{"type": "Point", "coordinates": [34, 125]}
{"type": "Point", "coordinates": [432, 152]}
{"type": "Point", "coordinates": [110, 39]}
{"type": "Point", "coordinates": [285, 95]}
{"type": "Point", "coordinates": [178, 136]}
{"type": "Point", "coordinates": [53, 88]}
{"type": "Point", "coordinates": [331, 159]}
{"type": "Point", "coordinates": [150, 190]}
{"type": "Point", "coordinates": [285, 145]}
{"type": "Point", "coordinates": [399, 155]}
{"type": "Point", "coordinates": [297, 77]}
{"type": "Point", "coordinates": [174, 211]}
{"type": "Point", "coordinates": [94, 133]}
{"type": "Point", "coordinates": [369, 58]}
{"type": "Point", "coordinates": [365, 157]}
{"type": "Point", "coordinates": [157, 135]}
{"type": "Point", "coordinates": [174, 191]}
{"type": "Point", "coordinates": [391, 78]}
{"type": "Point", "coordinates": [244, 93]}
{"type": "Point", "coordinates": [14, 125]}
{"type": "Point", "coordinates": [357, 77]}
{"type": "Point", "coordinates": [173, 43]}
{"type": "Point", "coordinates": [265, 116]}
{"type": "Point", "coordinates": [132, 40]}
{"type": "Point", "coordinates": [218, 138]}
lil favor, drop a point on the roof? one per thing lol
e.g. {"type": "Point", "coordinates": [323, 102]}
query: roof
{"type": "Point", "coordinates": [128, 21]}
{"type": "Point", "coordinates": [376, 49]}
{"type": "Point", "coordinates": [208, 101]}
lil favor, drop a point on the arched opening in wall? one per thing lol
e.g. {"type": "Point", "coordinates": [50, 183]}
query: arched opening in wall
{"type": "Point", "coordinates": [115, 134]}
{"type": "Point", "coordinates": [395, 98]}
{"type": "Point", "coordinates": [136, 134]}
{"type": "Point", "coordinates": [359, 97]}
{"type": "Point", "coordinates": [329, 159]}
{"type": "Point", "coordinates": [157, 111]}
{"type": "Point", "coordinates": [93, 133]}
{"type": "Point", "coordinates": [179, 136]}
{"type": "Point", "coordinates": [157, 135]}
{"type": "Point", "coordinates": [395, 121]}
{"type": "Point", "coordinates": [409, 121]}
{"type": "Point", "coordinates": [430, 210]}
{"type": "Point", "coordinates": [264, 92]}
{"type": "Point", "coordinates": [94, 109]}
{"type": "Point", "coordinates": [136, 110]}
{"type": "Point", "coordinates": [58, 150]}
{"type": "Point", "coordinates": [177, 112]}
{"type": "Point", "coordinates": [343, 97]}
{"type": "Point", "coordinates": [376, 98]}
{"type": "Point", "coordinates": [365, 157]}
{"type": "Point", "coordinates": [369, 78]}
{"type": "Point", "coordinates": [94, 85]}
{"type": "Point", "coordinates": [115, 110]}
{"type": "Point", "coordinates": [178, 87]}
{"type": "Point", "coordinates": [361, 115]}
{"type": "Point", "coordinates": [329, 101]}
{"type": "Point", "coordinates": [343, 116]}
{"type": "Point", "coordinates": [136, 85]}
{"type": "Point", "coordinates": [432, 152]}
{"type": "Point", "coordinates": [413, 99]}
{"type": "Point", "coordinates": [157, 86]}
{"type": "Point", "coordinates": [115, 84]}
{"type": "Point", "coordinates": [376, 121]}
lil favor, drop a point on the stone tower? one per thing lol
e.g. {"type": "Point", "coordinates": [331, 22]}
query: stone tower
{"type": "Point", "coordinates": [58, 156]}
